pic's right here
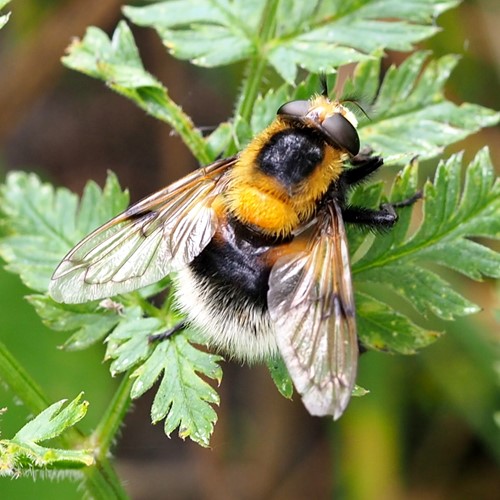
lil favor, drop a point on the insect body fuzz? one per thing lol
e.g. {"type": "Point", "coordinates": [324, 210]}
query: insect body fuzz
{"type": "Point", "coordinates": [259, 248]}
{"type": "Point", "coordinates": [278, 179]}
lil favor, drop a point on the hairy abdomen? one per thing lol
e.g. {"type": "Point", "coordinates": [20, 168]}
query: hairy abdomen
{"type": "Point", "coordinates": [224, 293]}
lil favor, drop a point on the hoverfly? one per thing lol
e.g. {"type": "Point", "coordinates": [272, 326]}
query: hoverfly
{"type": "Point", "coordinates": [258, 246]}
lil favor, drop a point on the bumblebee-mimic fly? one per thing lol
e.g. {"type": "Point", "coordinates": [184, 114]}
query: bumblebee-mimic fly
{"type": "Point", "coordinates": [258, 246]}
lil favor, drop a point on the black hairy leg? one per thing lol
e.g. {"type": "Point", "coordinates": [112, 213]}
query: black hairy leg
{"type": "Point", "coordinates": [167, 333]}
{"type": "Point", "coordinates": [383, 218]}
{"type": "Point", "coordinates": [364, 165]}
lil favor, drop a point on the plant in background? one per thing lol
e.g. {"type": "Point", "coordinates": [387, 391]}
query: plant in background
{"type": "Point", "coordinates": [411, 118]}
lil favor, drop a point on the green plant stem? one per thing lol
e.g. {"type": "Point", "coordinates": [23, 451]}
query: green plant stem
{"type": "Point", "coordinates": [255, 69]}
{"type": "Point", "coordinates": [149, 309]}
{"type": "Point", "coordinates": [103, 436]}
{"type": "Point", "coordinates": [161, 106]}
{"type": "Point", "coordinates": [102, 482]}
{"type": "Point", "coordinates": [100, 479]}
{"type": "Point", "coordinates": [21, 383]}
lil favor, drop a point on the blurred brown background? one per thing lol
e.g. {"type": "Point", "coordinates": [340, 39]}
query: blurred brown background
{"type": "Point", "coordinates": [426, 430]}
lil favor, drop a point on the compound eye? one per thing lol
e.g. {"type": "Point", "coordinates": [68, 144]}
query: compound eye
{"type": "Point", "coordinates": [341, 131]}
{"type": "Point", "coordinates": [294, 108]}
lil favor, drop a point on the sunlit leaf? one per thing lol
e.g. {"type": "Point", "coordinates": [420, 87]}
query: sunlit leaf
{"type": "Point", "coordinates": [5, 17]}
{"type": "Point", "coordinates": [24, 451]}
{"type": "Point", "coordinates": [42, 223]}
{"type": "Point", "coordinates": [317, 36]}
{"type": "Point", "coordinates": [183, 399]}
{"type": "Point", "coordinates": [452, 215]}
{"type": "Point", "coordinates": [117, 62]}
{"type": "Point", "coordinates": [88, 323]}
{"type": "Point", "coordinates": [410, 115]}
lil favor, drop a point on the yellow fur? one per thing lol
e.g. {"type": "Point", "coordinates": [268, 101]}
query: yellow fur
{"type": "Point", "coordinates": [259, 200]}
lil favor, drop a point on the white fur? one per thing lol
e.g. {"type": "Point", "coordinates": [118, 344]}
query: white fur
{"type": "Point", "coordinates": [237, 329]}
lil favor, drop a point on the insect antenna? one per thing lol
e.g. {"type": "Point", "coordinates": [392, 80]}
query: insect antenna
{"type": "Point", "coordinates": [357, 104]}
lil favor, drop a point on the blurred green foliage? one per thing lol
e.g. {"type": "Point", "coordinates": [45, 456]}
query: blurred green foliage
{"type": "Point", "coordinates": [428, 423]}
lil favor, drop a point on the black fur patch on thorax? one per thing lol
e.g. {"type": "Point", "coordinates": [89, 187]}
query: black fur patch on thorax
{"type": "Point", "coordinates": [291, 155]}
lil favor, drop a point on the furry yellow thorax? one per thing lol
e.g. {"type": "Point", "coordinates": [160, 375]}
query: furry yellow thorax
{"type": "Point", "coordinates": [261, 201]}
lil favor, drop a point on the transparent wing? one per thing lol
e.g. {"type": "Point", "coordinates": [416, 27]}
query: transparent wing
{"type": "Point", "coordinates": [152, 238]}
{"type": "Point", "coordinates": [311, 304]}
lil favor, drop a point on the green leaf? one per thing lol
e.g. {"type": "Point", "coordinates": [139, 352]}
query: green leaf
{"type": "Point", "coordinates": [43, 223]}
{"type": "Point", "coordinates": [23, 451]}
{"type": "Point", "coordinates": [183, 398]}
{"type": "Point", "coordinates": [359, 391]}
{"type": "Point", "coordinates": [206, 33]}
{"type": "Point", "coordinates": [410, 115]}
{"type": "Point", "coordinates": [117, 62]}
{"type": "Point", "coordinates": [5, 17]}
{"type": "Point", "coordinates": [89, 323]}
{"type": "Point", "coordinates": [266, 106]}
{"type": "Point", "coordinates": [280, 376]}
{"type": "Point", "coordinates": [452, 215]}
{"type": "Point", "coordinates": [219, 139]}
{"type": "Point", "coordinates": [129, 343]}
{"type": "Point", "coordinates": [423, 289]}
{"type": "Point", "coordinates": [381, 327]}
{"type": "Point", "coordinates": [317, 36]}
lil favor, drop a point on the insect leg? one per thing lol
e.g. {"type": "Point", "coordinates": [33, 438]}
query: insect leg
{"type": "Point", "coordinates": [167, 333]}
{"type": "Point", "coordinates": [364, 165]}
{"type": "Point", "coordinates": [383, 218]}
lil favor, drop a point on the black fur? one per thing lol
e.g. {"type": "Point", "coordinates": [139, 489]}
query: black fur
{"type": "Point", "coordinates": [292, 155]}
{"type": "Point", "coordinates": [236, 262]}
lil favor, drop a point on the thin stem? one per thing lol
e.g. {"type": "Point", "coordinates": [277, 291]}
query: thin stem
{"type": "Point", "coordinates": [255, 68]}
{"type": "Point", "coordinates": [136, 299]}
{"type": "Point", "coordinates": [102, 482]}
{"type": "Point", "coordinates": [21, 383]}
{"type": "Point", "coordinates": [161, 106]}
{"type": "Point", "coordinates": [103, 436]}
{"type": "Point", "coordinates": [100, 479]}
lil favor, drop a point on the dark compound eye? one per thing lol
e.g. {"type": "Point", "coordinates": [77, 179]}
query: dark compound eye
{"type": "Point", "coordinates": [341, 131]}
{"type": "Point", "coordinates": [294, 108]}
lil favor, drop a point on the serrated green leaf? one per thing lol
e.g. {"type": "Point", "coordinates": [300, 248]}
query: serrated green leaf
{"type": "Point", "coordinates": [465, 256]}
{"type": "Point", "coordinates": [43, 223]}
{"type": "Point", "coordinates": [423, 289]}
{"type": "Point", "coordinates": [219, 139]}
{"type": "Point", "coordinates": [183, 398]}
{"type": "Point", "coordinates": [89, 322]}
{"type": "Point", "coordinates": [317, 36]}
{"type": "Point", "coordinates": [129, 344]}
{"type": "Point", "coordinates": [411, 116]}
{"type": "Point", "coordinates": [478, 208]}
{"type": "Point", "coordinates": [117, 62]}
{"type": "Point", "coordinates": [53, 421]}
{"type": "Point", "coordinates": [381, 327]}
{"type": "Point", "coordinates": [206, 33]}
{"type": "Point", "coordinates": [24, 452]}
{"type": "Point", "coordinates": [452, 214]}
